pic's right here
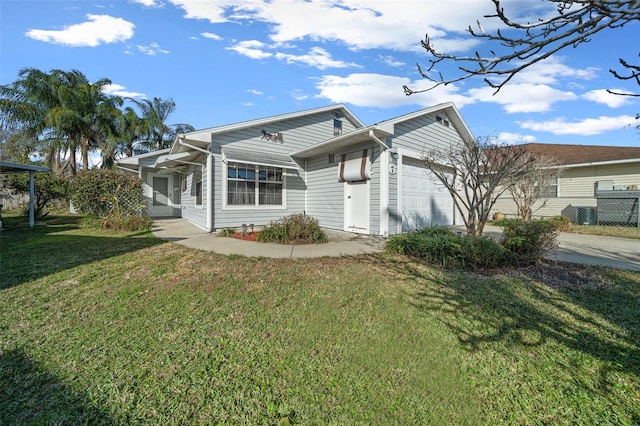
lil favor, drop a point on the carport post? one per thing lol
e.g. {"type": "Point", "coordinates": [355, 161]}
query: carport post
{"type": "Point", "coordinates": [31, 196]}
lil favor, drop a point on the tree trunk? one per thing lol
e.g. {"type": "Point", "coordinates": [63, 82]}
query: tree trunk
{"type": "Point", "coordinates": [85, 154]}
{"type": "Point", "coordinates": [72, 161]}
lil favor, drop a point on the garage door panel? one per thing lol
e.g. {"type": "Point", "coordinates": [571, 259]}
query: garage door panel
{"type": "Point", "coordinates": [425, 201]}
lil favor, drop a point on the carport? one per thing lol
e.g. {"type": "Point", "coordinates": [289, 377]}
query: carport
{"type": "Point", "coordinates": [8, 168]}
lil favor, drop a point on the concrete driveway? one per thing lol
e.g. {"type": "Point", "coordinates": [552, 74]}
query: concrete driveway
{"type": "Point", "coordinates": [619, 253]}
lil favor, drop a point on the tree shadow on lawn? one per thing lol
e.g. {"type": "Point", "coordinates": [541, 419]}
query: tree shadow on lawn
{"type": "Point", "coordinates": [30, 253]}
{"type": "Point", "coordinates": [519, 312]}
{"type": "Point", "coordinates": [31, 395]}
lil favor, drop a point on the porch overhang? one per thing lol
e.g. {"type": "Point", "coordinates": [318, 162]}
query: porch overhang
{"type": "Point", "coordinates": [259, 158]}
{"type": "Point", "coordinates": [366, 134]}
{"type": "Point", "coordinates": [171, 161]}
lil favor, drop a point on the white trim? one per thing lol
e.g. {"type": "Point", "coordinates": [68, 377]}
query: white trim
{"type": "Point", "coordinates": [384, 192]}
{"type": "Point", "coordinates": [600, 163]}
{"type": "Point", "coordinates": [226, 206]}
{"type": "Point", "coordinates": [399, 192]}
{"type": "Point", "coordinates": [209, 193]}
{"type": "Point", "coordinates": [261, 159]}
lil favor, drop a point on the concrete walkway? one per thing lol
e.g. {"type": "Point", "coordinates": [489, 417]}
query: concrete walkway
{"type": "Point", "coordinates": [619, 253]}
{"type": "Point", "coordinates": [340, 243]}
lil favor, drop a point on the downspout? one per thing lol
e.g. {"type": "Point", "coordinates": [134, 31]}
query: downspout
{"type": "Point", "coordinates": [384, 185]}
{"type": "Point", "coordinates": [210, 192]}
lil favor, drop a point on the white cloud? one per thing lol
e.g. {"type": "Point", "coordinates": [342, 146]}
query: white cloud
{"type": "Point", "coordinates": [380, 24]}
{"type": "Point", "coordinates": [601, 96]}
{"type": "Point", "coordinates": [99, 29]}
{"type": "Point", "coordinates": [513, 138]}
{"type": "Point", "coordinates": [298, 95]}
{"type": "Point", "coordinates": [254, 92]}
{"type": "Point", "coordinates": [317, 57]}
{"type": "Point", "coordinates": [212, 36]}
{"type": "Point", "coordinates": [391, 61]}
{"type": "Point", "coordinates": [213, 12]}
{"type": "Point", "coordinates": [152, 49]}
{"type": "Point", "coordinates": [383, 91]}
{"type": "Point", "coordinates": [253, 49]}
{"type": "Point", "coordinates": [119, 90]}
{"type": "Point", "coordinates": [586, 127]}
{"type": "Point", "coordinates": [522, 97]}
{"type": "Point", "coordinates": [149, 3]}
{"type": "Point", "coordinates": [552, 70]}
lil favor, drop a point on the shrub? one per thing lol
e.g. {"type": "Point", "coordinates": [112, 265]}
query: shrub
{"type": "Point", "coordinates": [482, 252]}
{"type": "Point", "coordinates": [563, 223]}
{"type": "Point", "coordinates": [294, 229]}
{"type": "Point", "coordinates": [528, 241]}
{"type": "Point", "coordinates": [441, 246]}
{"type": "Point", "coordinates": [104, 192]}
{"type": "Point", "coordinates": [126, 224]}
{"type": "Point", "coordinates": [226, 232]}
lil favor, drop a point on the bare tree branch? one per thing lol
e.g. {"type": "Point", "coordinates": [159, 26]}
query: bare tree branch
{"type": "Point", "coordinates": [574, 24]}
{"type": "Point", "coordinates": [476, 173]}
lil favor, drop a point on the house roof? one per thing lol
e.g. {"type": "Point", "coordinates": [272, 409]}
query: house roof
{"type": "Point", "coordinates": [573, 155]}
{"type": "Point", "coordinates": [133, 162]}
{"type": "Point", "coordinates": [8, 167]}
{"type": "Point", "coordinates": [204, 135]}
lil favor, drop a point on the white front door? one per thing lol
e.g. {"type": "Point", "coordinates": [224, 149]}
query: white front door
{"type": "Point", "coordinates": [159, 203]}
{"type": "Point", "coordinates": [356, 207]}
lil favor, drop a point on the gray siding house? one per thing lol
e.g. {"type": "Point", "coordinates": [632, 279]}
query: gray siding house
{"type": "Point", "coordinates": [322, 162]}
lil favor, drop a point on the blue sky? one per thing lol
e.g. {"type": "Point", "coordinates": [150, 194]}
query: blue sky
{"type": "Point", "coordinates": [227, 61]}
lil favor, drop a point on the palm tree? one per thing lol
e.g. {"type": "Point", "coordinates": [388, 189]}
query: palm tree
{"type": "Point", "coordinates": [62, 110]}
{"type": "Point", "coordinates": [88, 114]}
{"type": "Point", "coordinates": [154, 113]}
{"type": "Point", "coordinates": [27, 104]}
{"type": "Point", "coordinates": [123, 142]}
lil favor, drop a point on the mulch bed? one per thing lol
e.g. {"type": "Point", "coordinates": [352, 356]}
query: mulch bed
{"type": "Point", "coordinates": [248, 236]}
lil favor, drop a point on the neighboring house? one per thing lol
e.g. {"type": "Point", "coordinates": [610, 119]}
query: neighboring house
{"type": "Point", "coordinates": [322, 162]}
{"type": "Point", "coordinates": [590, 173]}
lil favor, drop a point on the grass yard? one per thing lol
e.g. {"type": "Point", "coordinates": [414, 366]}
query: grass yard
{"type": "Point", "coordinates": [104, 328]}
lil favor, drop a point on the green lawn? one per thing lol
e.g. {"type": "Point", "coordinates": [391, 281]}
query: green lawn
{"type": "Point", "coordinates": [109, 328]}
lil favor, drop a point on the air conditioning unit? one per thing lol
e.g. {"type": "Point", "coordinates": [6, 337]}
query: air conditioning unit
{"type": "Point", "coordinates": [604, 185]}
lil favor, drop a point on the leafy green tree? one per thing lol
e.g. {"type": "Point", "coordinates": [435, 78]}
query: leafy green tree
{"type": "Point", "coordinates": [47, 189]}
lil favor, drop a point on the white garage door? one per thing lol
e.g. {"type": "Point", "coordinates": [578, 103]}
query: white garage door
{"type": "Point", "coordinates": [425, 201]}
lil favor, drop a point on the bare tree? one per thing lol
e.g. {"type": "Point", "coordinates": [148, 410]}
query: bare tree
{"type": "Point", "coordinates": [476, 173]}
{"type": "Point", "coordinates": [530, 42]}
{"type": "Point", "coordinates": [535, 185]}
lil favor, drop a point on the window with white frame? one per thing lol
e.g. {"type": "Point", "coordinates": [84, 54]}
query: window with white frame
{"type": "Point", "coordinates": [254, 185]}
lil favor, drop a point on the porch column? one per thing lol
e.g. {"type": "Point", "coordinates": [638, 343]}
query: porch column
{"type": "Point", "coordinates": [32, 194]}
